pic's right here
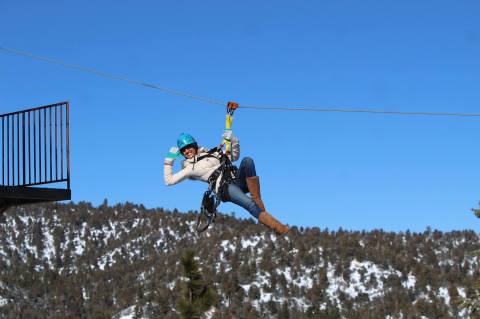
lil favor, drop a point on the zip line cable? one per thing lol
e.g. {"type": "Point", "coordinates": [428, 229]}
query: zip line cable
{"type": "Point", "coordinates": [371, 111]}
{"type": "Point", "coordinates": [111, 76]}
{"type": "Point", "coordinates": [217, 102]}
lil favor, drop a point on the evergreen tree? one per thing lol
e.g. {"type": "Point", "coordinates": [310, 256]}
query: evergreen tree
{"type": "Point", "coordinates": [472, 303]}
{"type": "Point", "coordinates": [284, 312]}
{"type": "Point", "coordinates": [197, 296]}
{"type": "Point", "coordinates": [138, 313]}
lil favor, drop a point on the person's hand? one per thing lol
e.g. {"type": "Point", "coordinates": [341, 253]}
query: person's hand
{"type": "Point", "coordinates": [227, 135]}
{"type": "Point", "coordinates": [172, 155]}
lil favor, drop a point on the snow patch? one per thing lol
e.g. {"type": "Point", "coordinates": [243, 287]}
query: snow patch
{"type": "Point", "coordinates": [443, 292]}
{"type": "Point", "coordinates": [3, 301]}
{"type": "Point", "coordinates": [128, 313]}
{"type": "Point", "coordinates": [251, 242]}
{"type": "Point", "coordinates": [227, 245]}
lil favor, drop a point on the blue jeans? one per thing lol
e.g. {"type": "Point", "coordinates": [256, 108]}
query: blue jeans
{"type": "Point", "coordinates": [236, 191]}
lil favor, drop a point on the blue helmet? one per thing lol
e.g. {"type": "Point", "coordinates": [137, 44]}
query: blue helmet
{"type": "Point", "coordinates": [185, 140]}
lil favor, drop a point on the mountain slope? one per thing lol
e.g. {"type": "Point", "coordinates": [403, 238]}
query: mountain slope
{"type": "Point", "coordinates": [79, 261]}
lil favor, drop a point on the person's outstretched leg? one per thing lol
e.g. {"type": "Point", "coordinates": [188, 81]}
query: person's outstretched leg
{"type": "Point", "coordinates": [248, 181]}
{"type": "Point", "coordinates": [233, 193]}
{"type": "Point", "coordinates": [245, 170]}
{"type": "Point", "coordinates": [253, 185]}
{"type": "Point", "coordinates": [270, 221]}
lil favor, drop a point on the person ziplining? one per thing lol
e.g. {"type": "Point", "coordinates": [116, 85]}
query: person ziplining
{"type": "Point", "coordinates": [227, 182]}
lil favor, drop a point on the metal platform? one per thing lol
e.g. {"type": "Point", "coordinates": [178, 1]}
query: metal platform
{"type": "Point", "coordinates": [35, 153]}
{"type": "Point", "coordinates": [16, 195]}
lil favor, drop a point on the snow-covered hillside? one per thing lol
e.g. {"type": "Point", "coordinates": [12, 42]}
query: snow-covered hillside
{"type": "Point", "coordinates": [122, 261]}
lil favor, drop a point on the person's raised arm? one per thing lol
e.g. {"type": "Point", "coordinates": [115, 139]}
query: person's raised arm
{"type": "Point", "coordinates": [168, 177]}
{"type": "Point", "coordinates": [234, 145]}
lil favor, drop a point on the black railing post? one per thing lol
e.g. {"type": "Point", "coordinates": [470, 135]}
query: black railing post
{"type": "Point", "coordinates": [23, 149]}
{"type": "Point", "coordinates": [18, 149]}
{"type": "Point", "coordinates": [56, 145]}
{"type": "Point", "coordinates": [45, 144]}
{"type": "Point", "coordinates": [67, 128]}
{"type": "Point", "coordinates": [50, 159]}
{"type": "Point", "coordinates": [3, 151]}
{"type": "Point", "coordinates": [39, 146]}
{"type": "Point", "coordinates": [8, 150]}
{"type": "Point", "coordinates": [29, 152]}
{"type": "Point", "coordinates": [61, 140]}
{"type": "Point", "coordinates": [13, 150]}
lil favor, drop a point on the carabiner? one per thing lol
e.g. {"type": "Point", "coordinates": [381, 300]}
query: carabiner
{"type": "Point", "coordinates": [231, 107]}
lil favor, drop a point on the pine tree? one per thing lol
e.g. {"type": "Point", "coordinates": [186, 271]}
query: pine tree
{"type": "Point", "coordinates": [197, 296]}
{"type": "Point", "coordinates": [473, 303]}
{"type": "Point", "coordinates": [284, 312]}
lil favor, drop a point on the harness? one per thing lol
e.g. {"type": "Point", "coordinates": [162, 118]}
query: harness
{"type": "Point", "coordinates": [212, 198]}
{"type": "Point", "coordinates": [215, 194]}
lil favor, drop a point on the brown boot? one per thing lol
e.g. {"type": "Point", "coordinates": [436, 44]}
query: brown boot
{"type": "Point", "coordinates": [253, 185]}
{"type": "Point", "coordinates": [270, 221]}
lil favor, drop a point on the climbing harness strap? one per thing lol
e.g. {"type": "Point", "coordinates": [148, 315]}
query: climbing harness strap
{"type": "Point", "coordinates": [201, 157]}
{"type": "Point", "coordinates": [213, 196]}
{"type": "Point", "coordinates": [208, 211]}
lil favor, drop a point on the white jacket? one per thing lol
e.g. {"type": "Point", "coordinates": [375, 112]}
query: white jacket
{"type": "Point", "coordinates": [198, 170]}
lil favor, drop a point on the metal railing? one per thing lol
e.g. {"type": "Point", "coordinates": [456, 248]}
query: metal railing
{"type": "Point", "coordinates": [35, 146]}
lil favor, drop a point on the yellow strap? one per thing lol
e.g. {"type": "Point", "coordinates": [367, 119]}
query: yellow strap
{"type": "Point", "coordinates": [228, 122]}
{"type": "Point", "coordinates": [228, 127]}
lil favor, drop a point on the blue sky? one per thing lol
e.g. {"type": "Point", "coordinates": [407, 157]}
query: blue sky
{"type": "Point", "coordinates": [354, 171]}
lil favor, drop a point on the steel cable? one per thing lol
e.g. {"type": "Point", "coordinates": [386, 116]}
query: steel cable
{"type": "Point", "coordinates": [217, 102]}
